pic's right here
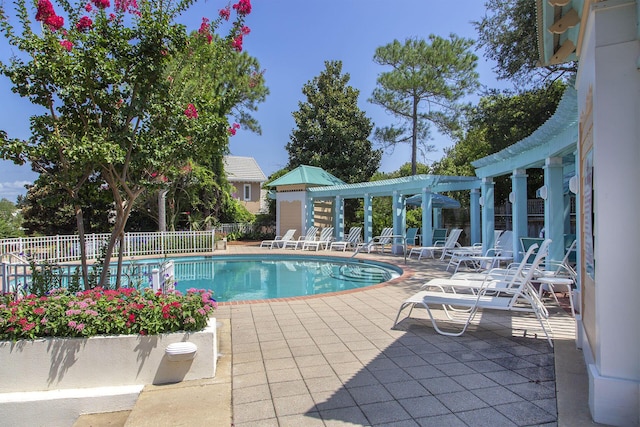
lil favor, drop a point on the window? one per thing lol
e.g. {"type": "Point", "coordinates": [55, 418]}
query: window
{"type": "Point", "coordinates": [247, 192]}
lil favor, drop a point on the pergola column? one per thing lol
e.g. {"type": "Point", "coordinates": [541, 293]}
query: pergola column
{"type": "Point", "coordinates": [399, 220]}
{"type": "Point", "coordinates": [519, 209]}
{"type": "Point", "coordinates": [474, 210]}
{"type": "Point", "coordinates": [488, 213]}
{"type": "Point", "coordinates": [368, 217]}
{"type": "Point", "coordinates": [309, 214]}
{"type": "Point", "coordinates": [427, 226]}
{"type": "Point", "coordinates": [437, 217]}
{"type": "Point", "coordinates": [554, 207]}
{"type": "Point", "coordinates": [338, 218]}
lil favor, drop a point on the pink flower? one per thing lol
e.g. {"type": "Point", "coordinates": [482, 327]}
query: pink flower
{"type": "Point", "coordinates": [112, 16]}
{"type": "Point", "coordinates": [45, 10]}
{"type": "Point", "coordinates": [245, 30]}
{"type": "Point", "coordinates": [84, 23]}
{"type": "Point", "coordinates": [102, 4]}
{"type": "Point", "coordinates": [191, 112]}
{"type": "Point", "coordinates": [48, 16]}
{"type": "Point", "coordinates": [237, 43]}
{"type": "Point", "coordinates": [88, 7]}
{"type": "Point", "coordinates": [66, 44]}
{"type": "Point", "coordinates": [38, 310]}
{"type": "Point", "coordinates": [54, 22]}
{"type": "Point", "coordinates": [243, 7]}
{"type": "Point", "coordinates": [225, 13]}
{"type": "Point", "coordinates": [204, 26]}
{"type": "Point", "coordinates": [127, 5]}
{"type": "Point", "coordinates": [232, 129]}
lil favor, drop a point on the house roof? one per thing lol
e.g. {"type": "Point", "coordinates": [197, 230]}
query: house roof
{"type": "Point", "coordinates": [308, 175]}
{"type": "Point", "coordinates": [243, 169]}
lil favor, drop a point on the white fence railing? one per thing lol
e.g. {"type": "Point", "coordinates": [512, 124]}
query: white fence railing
{"type": "Point", "coordinates": [56, 249]}
{"type": "Point", "coordinates": [61, 253]}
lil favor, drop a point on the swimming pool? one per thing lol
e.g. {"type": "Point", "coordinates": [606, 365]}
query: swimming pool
{"type": "Point", "coordinates": [257, 277]}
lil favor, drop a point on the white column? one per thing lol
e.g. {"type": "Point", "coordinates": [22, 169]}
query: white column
{"type": "Point", "coordinates": [519, 210]}
{"type": "Point", "coordinates": [554, 207]}
{"type": "Point", "coordinates": [427, 225]}
{"type": "Point", "coordinates": [488, 214]}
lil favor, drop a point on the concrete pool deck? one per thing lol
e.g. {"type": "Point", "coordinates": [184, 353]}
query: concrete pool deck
{"type": "Point", "coordinates": [334, 360]}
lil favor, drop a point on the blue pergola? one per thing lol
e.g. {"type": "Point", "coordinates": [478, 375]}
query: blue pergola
{"type": "Point", "coordinates": [314, 183]}
{"type": "Point", "coordinates": [552, 147]}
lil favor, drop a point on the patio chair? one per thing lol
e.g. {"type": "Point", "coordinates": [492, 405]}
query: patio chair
{"type": "Point", "coordinates": [475, 279]}
{"type": "Point", "coordinates": [514, 295]}
{"type": "Point", "coordinates": [351, 240]}
{"type": "Point", "coordinates": [439, 234]}
{"type": "Point", "coordinates": [526, 242]}
{"type": "Point", "coordinates": [279, 241]}
{"type": "Point", "coordinates": [380, 241]}
{"type": "Point", "coordinates": [559, 275]}
{"type": "Point", "coordinates": [310, 235]}
{"type": "Point", "coordinates": [326, 235]}
{"type": "Point", "coordinates": [449, 243]}
{"type": "Point", "coordinates": [411, 236]}
{"type": "Point", "coordinates": [501, 252]}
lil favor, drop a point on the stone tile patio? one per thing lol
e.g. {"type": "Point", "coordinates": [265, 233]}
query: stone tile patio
{"type": "Point", "coordinates": [335, 360]}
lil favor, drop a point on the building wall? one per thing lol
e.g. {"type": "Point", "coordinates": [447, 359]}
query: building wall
{"type": "Point", "coordinates": [290, 212]}
{"type": "Point", "coordinates": [609, 81]}
{"type": "Point", "coordinates": [254, 204]}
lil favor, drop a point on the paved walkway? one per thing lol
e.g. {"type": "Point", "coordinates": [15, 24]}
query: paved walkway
{"type": "Point", "coordinates": [335, 360]}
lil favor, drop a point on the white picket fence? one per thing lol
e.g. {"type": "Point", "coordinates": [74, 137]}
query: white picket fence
{"type": "Point", "coordinates": [57, 249]}
{"type": "Point", "coordinates": [62, 253]}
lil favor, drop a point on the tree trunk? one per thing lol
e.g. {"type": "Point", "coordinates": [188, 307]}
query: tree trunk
{"type": "Point", "coordinates": [414, 136]}
{"type": "Point", "coordinates": [120, 256]}
{"type": "Point", "coordinates": [118, 229]}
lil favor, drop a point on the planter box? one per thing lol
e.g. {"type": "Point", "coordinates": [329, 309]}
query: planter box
{"type": "Point", "coordinates": [221, 244]}
{"type": "Point", "coordinates": [53, 381]}
{"type": "Point", "coordinates": [104, 361]}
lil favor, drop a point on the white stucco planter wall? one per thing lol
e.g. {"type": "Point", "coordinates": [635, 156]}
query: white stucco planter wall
{"type": "Point", "coordinates": [53, 381]}
{"type": "Point", "coordinates": [104, 361]}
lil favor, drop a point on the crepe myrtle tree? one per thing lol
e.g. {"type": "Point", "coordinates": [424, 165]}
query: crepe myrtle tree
{"type": "Point", "coordinates": [97, 70]}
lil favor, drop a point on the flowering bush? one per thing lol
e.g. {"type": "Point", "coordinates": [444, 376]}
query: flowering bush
{"type": "Point", "coordinates": [103, 312]}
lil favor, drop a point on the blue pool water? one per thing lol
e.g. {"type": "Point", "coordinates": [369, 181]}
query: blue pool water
{"type": "Point", "coordinates": [256, 277]}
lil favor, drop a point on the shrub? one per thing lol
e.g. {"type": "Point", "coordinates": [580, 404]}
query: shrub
{"type": "Point", "coordinates": [103, 312]}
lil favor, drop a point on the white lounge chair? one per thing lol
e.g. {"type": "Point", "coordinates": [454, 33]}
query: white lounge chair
{"type": "Point", "coordinates": [558, 276]}
{"type": "Point", "coordinates": [351, 240]}
{"type": "Point", "coordinates": [378, 241]}
{"type": "Point", "coordinates": [450, 243]}
{"type": "Point", "coordinates": [517, 294]}
{"type": "Point", "coordinates": [310, 235]}
{"type": "Point", "coordinates": [326, 235]}
{"type": "Point", "coordinates": [279, 241]}
{"type": "Point", "coordinates": [501, 252]}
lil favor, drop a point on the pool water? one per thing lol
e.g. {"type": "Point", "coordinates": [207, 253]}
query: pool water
{"type": "Point", "coordinates": [241, 278]}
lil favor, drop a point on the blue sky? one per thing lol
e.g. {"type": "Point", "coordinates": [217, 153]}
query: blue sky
{"type": "Point", "coordinates": [292, 39]}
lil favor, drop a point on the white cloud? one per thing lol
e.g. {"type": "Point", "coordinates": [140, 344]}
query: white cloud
{"type": "Point", "coordinates": [11, 190]}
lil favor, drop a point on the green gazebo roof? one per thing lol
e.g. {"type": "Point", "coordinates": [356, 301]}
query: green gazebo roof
{"type": "Point", "coordinates": [308, 175]}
